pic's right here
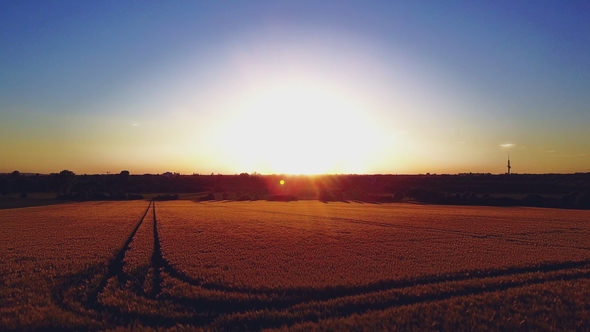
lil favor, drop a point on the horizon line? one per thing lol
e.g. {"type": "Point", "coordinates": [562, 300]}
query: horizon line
{"type": "Point", "coordinates": [309, 175]}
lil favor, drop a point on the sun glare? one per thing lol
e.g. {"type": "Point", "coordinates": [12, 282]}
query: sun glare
{"type": "Point", "coordinates": [300, 129]}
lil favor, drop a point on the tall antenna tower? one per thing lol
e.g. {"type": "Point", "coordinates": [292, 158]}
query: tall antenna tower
{"type": "Point", "coordinates": [509, 167]}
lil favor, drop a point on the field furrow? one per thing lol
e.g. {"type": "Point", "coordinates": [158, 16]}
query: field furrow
{"type": "Point", "coordinates": [346, 306]}
{"type": "Point", "coordinates": [309, 265]}
{"type": "Point", "coordinates": [115, 266]}
{"type": "Point", "coordinates": [138, 257]}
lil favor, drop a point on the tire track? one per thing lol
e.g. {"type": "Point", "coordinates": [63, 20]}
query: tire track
{"type": "Point", "coordinates": [285, 317]}
{"type": "Point", "coordinates": [285, 298]}
{"type": "Point", "coordinates": [331, 292]}
{"type": "Point", "coordinates": [202, 311]}
{"type": "Point", "coordinates": [78, 292]}
{"type": "Point", "coordinates": [158, 261]}
{"type": "Point", "coordinates": [281, 300]}
{"type": "Point", "coordinates": [115, 267]}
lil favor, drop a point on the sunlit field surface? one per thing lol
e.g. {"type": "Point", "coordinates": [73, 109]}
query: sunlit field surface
{"type": "Point", "coordinates": [310, 244]}
{"type": "Point", "coordinates": [43, 249]}
{"type": "Point", "coordinates": [302, 265]}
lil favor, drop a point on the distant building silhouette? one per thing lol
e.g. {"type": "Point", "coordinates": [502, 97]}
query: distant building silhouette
{"type": "Point", "coordinates": [509, 167]}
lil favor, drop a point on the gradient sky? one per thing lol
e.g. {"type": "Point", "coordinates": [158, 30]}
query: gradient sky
{"type": "Point", "coordinates": [294, 87]}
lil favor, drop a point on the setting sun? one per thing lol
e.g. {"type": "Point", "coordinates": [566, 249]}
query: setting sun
{"type": "Point", "coordinates": [301, 127]}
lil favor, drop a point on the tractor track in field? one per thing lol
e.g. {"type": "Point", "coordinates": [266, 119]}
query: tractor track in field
{"type": "Point", "coordinates": [88, 296]}
{"type": "Point", "coordinates": [200, 312]}
{"type": "Point", "coordinates": [158, 262]}
{"type": "Point", "coordinates": [292, 297]}
{"type": "Point", "coordinates": [115, 266]}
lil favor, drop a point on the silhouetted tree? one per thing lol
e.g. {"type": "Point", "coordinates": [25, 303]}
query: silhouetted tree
{"type": "Point", "coordinates": [123, 179]}
{"type": "Point", "coordinates": [67, 179]}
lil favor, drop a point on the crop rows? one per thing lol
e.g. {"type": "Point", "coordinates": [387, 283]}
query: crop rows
{"type": "Point", "coordinates": [45, 249]}
{"type": "Point", "coordinates": [309, 265]}
{"type": "Point", "coordinates": [245, 246]}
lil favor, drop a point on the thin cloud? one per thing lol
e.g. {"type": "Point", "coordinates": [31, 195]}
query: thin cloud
{"type": "Point", "coordinates": [507, 145]}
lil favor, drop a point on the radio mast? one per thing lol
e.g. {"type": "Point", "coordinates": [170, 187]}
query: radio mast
{"type": "Point", "coordinates": [509, 167]}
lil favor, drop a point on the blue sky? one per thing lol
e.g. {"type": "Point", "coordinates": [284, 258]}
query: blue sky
{"type": "Point", "coordinates": [296, 87]}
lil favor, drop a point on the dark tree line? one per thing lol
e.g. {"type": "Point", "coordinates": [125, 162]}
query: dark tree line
{"type": "Point", "coordinates": [552, 190]}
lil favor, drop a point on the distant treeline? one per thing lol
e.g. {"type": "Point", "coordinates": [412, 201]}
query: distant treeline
{"type": "Point", "coordinates": [573, 200]}
{"type": "Point", "coordinates": [97, 196]}
{"type": "Point", "coordinates": [551, 190]}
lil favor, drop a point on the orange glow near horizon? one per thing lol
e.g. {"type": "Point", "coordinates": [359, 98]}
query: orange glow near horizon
{"type": "Point", "coordinates": [289, 99]}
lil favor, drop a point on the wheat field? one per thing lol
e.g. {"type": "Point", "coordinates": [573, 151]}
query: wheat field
{"type": "Point", "coordinates": [300, 266]}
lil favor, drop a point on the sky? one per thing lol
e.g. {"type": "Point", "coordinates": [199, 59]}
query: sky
{"type": "Point", "coordinates": [298, 87]}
